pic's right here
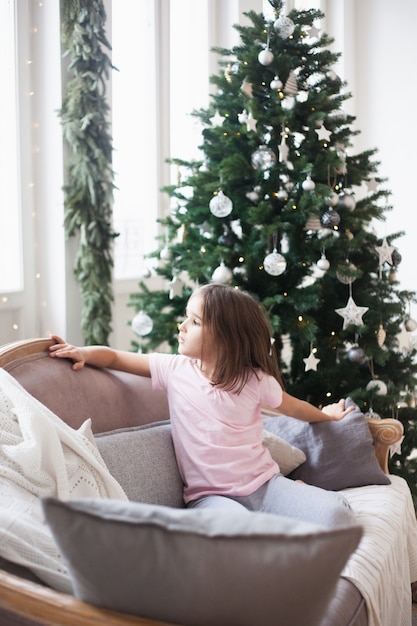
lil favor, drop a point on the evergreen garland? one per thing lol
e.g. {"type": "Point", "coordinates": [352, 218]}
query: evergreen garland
{"type": "Point", "coordinates": [88, 192]}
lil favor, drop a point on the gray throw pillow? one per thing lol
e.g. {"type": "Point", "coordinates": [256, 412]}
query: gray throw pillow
{"type": "Point", "coordinates": [339, 454]}
{"type": "Point", "coordinates": [142, 460]}
{"type": "Point", "coordinates": [199, 567]}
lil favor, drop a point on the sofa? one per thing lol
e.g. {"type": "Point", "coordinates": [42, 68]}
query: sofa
{"type": "Point", "coordinates": [376, 562]}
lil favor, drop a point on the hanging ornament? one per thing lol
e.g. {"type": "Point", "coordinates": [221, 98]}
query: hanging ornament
{"type": "Point", "coordinates": [176, 287]}
{"type": "Point", "coordinates": [247, 89]}
{"type": "Point", "coordinates": [396, 258]}
{"type": "Point", "coordinates": [346, 274]}
{"type": "Point", "coordinates": [332, 199]}
{"type": "Point", "coordinates": [323, 263]}
{"type": "Point", "coordinates": [266, 56]}
{"type": "Point", "coordinates": [291, 87]}
{"type": "Point", "coordinates": [283, 149]}
{"type": "Point", "coordinates": [220, 205]}
{"type": "Point", "coordinates": [311, 361]}
{"type": "Point", "coordinates": [380, 336]}
{"type": "Point", "coordinates": [314, 32]}
{"type": "Point", "coordinates": [385, 254]}
{"type": "Point", "coordinates": [352, 314]}
{"type": "Point", "coordinates": [322, 133]}
{"type": "Point", "coordinates": [263, 158]}
{"type": "Point", "coordinates": [284, 26]}
{"type": "Point", "coordinates": [346, 201]}
{"type": "Point", "coordinates": [282, 194]}
{"type": "Point", "coordinates": [226, 238]}
{"type": "Point", "coordinates": [378, 386]}
{"type": "Point", "coordinates": [274, 263]}
{"type": "Point", "coordinates": [356, 354]}
{"type": "Point", "coordinates": [309, 184]}
{"type": "Point", "coordinates": [217, 119]}
{"type": "Point", "coordinates": [410, 325]}
{"type": "Point", "coordinates": [313, 224]}
{"type": "Point", "coordinates": [251, 123]}
{"type": "Point", "coordinates": [165, 253]}
{"type": "Point", "coordinates": [275, 83]}
{"type": "Point", "coordinates": [222, 274]}
{"type": "Point", "coordinates": [330, 218]}
{"type": "Point", "coordinates": [288, 103]}
{"type": "Point", "coordinates": [142, 324]}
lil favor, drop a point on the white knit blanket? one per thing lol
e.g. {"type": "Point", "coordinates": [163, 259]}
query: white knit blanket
{"type": "Point", "coordinates": [40, 455]}
{"type": "Point", "coordinates": [385, 562]}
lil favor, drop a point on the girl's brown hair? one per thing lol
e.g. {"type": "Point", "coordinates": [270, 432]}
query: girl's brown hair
{"type": "Point", "coordinates": [240, 329]}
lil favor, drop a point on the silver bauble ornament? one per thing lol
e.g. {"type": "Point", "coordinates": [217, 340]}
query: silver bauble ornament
{"type": "Point", "coordinates": [332, 199]}
{"type": "Point", "coordinates": [142, 324]}
{"type": "Point", "coordinates": [347, 201]}
{"type": "Point", "coordinates": [263, 158]}
{"type": "Point", "coordinates": [396, 258]}
{"type": "Point", "coordinates": [274, 263]}
{"type": "Point", "coordinates": [222, 274]}
{"type": "Point", "coordinates": [330, 218]}
{"type": "Point", "coordinates": [265, 57]}
{"type": "Point", "coordinates": [378, 385]}
{"type": "Point", "coordinates": [356, 354]}
{"type": "Point", "coordinates": [220, 205]}
{"type": "Point", "coordinates": [165, 254]}
{"type": "Point", "coordinates": [284, 26]}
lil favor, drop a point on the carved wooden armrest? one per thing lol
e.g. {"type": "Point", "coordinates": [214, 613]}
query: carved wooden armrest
{"type": "Point", "coordinates": [46, 607]}
{"type": "Point", "coordinates": [385, 433]}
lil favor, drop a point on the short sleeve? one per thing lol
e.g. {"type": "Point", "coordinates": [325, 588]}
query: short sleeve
{"type": "Point", "coordinates": [270, 391]}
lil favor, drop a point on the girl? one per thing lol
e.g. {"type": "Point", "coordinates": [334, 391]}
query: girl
{"type": "Point", "coordinates": [225, 370]}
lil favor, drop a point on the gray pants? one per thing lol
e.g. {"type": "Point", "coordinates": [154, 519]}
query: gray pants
{"type": "Point", "coordinates": [283, 496]}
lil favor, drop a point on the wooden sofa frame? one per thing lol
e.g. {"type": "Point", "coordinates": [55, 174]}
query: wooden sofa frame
{"type": "Point", "coordinates": [36, 604]}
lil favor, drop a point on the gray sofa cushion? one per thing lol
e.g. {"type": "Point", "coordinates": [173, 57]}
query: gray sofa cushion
{"type": "Point", "coordinates": [199, 567]}
{"type": "Point", "coordinates": [339, 454]}
{"type": "Point", "coordinates": [143, 461]}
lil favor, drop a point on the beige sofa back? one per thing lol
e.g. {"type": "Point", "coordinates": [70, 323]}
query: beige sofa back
{"type": "Point", "coordinates": [111, 399]}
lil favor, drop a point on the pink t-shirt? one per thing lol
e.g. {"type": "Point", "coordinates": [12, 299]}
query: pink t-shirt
{"type": "Point", "coordinates": [217, 434]}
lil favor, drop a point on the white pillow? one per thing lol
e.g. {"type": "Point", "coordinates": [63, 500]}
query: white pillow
{"type": "Point", "coordinates": [286, 455]}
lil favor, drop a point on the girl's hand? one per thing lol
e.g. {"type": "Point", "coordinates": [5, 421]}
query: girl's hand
{"type": "Point", "coordinates": [67, 351]}
{"type": "Point", "coordinates": [337, 410]}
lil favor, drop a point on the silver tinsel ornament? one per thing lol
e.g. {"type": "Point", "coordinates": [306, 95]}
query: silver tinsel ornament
{"type": "Point", "coordinates": [263, 158]}
{"type": "Point", "coordinates": [274, 263]}
{"type": "Point", "coordinates": [330, 218]}
{"type": "Point", "coordinates": [220, 205]}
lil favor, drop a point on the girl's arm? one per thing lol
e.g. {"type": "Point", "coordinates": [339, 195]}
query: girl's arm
{"type": "Point", "coordinates": [101, 356]}
{"type": "Point", "coordinates": [308, 413]}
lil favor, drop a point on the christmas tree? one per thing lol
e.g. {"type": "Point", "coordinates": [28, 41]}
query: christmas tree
{"type": "Point", "coordinates": [279, 205]}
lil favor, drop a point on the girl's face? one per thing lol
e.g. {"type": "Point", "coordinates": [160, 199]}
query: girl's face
{"type": "Point", "coordinates": [191, 330]}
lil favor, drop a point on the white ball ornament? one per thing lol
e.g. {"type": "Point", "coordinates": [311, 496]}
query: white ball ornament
{"type": "Point", "coordinates": [309, 184]}
{"type": "Point", "coordinates": [410, 325]}
{"type": "Point", "coordinates": [274, 263]}
{"type": "Point", "coordinates": [165, 254]}
{"type": "Point", "coordinates": [379, 386]}
{"type": "Point", "coordinates": [275, 83]}
{"type": "Point", "coordinates": [323, 263]}
{"type": "Point", "coordinates": [220, 205]}
{"type": "Point", "coordinates": [222, 274]}
{"type": "Point", "coordinates": [142, 324]}
{"type": "Point", "coordinates": [332, 199]}
{"type": "Point", "coordinates": [265, 57]}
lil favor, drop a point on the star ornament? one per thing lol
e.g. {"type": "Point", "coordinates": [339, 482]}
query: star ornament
{"type": "Point", "coordinates": [311, 362]}
{"type": "Point", "coordinates": [385, 252]}
{"type": "Point", "coordinates": [352, 314]}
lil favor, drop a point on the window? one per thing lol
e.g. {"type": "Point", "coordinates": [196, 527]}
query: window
{"type": "Point", "coordinates": [11, 279]}
{"type": "Point", "coordinates": [162, 63]}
